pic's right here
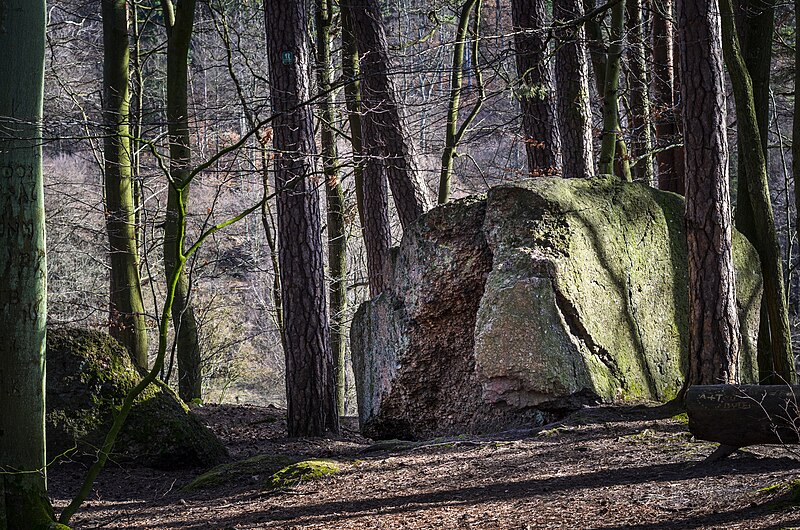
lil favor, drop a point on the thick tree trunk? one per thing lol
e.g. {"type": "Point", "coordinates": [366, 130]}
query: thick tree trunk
{"type": "Point", "coordinates": [180, 24]}
{"type": "Point", "coordinates": [310, 387]}
{"type": "Point", "coordinates": [337, 236]}
{"type": "Point", "coordinates": [23, 272]}
{"type": "Point", "coordinates": [796, 122]}
{"type": "Point", "coordinates": [764, 235]}
{"type": "Point", "coordinates": [572, 81]}
{"type": "Point", "coordinates": [536, 94]}
{"type": "Point", "coordinates": [127, 308]}
{"type": "Point", "coordinates": [742, 415]}
{"type": "Point", "coordinates": [714, 338]}
{"type": "Point", "coordinates": [390, 142]}
{"type": "Point", "coordinates": [638, 84]}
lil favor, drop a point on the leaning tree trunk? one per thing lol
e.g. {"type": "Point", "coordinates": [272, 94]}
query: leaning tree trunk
{"type": "Point", "coordinates": [179, 20]}
{"type": "Point", "coordinates": [670, 174]}
{"type": "Point", "coordinates": [127, 308]}
{"type": "Point", "coordinates": [536, 94]}
{"type": "Point", "coordinates": [638, 84]}
{"type": "Point", "coordinates": [371, 190]}
{"type": "Point", "coordinates": [572, 81]}
{"type": "Point", "coordinates": [23, 270]}
{"type": "Point", "coordinates": [765, 236]}
{"type": "Point", "coordinates": [388, 141]}
{"type": "Point", "coordinates": [337, 236]}
{"type": "Point", "coordinates": [714, 338]}
{"type": "Point", "coordinates": [310, 388]}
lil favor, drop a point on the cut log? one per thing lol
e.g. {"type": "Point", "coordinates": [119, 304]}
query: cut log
{"type": "Point", "coordinates": [741, 415]}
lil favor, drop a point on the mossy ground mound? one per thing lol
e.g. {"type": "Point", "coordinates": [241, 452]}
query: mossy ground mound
{"type": "Point", "coordinates": [266, 471]}
{"type": "Point", "coordinates": [88, 376]}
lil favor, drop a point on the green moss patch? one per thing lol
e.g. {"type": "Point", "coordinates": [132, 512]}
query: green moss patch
{"type": "Point", "coordinates": [301, 472]}
{"type": "Point", "coordinates": [783, 494]}
{"type": "Point", "coordinates": [250, 470]}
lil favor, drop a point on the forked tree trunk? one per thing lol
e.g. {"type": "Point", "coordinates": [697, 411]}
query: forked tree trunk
{"type": "Point", "coordinates": [310, 379]}
{"type": "Point", "coordinates": [536, 94]}
{"type": "Point", "coordinates": [127, 308]}
{"type": "Point", "coordinates": [764, 236]}
{"type": "Point", "coordinates": [337, 236]}
{"type": "Point", "coordinates": [23, 270]}
{"type": "Point", "coordinates": [179, 20]}
{"type": "Point", "coordinates": [387, 140]}
{"type": "Point", "coordinates": [572, 82]}
{"type": "Point", "coordinates": [714, 338]}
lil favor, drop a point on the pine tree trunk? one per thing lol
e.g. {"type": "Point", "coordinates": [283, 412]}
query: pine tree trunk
{"type": "Point", "coordinates": [536, 94]}
{"type": "Point", "coordinates": [670, 176]}
{"type": "Point", "coordinates": [310, 378]}
{"type": "Point", "coordinates": [572, 80]}
{"type": "Point", "coordinates": [638, 84]}
{"type": "Point", "coordinates": [765, 237]}
{"type": "Point", "coordinates": [180, 23]}
{"type": "Point", "coordinates": [23, 270]}
{"type": "Point", "coordinates": [389, 141]}
{"type": "Point", "coordinates": [337, 236]}
{"type": "Point", "coordinates": [796, 121]}
{"type": "Point", "coordinates": [714, 338]}
{"type": "Point", "coordinates": [352, 94]}
{"type": "Point", "coordinates": [127, 308]}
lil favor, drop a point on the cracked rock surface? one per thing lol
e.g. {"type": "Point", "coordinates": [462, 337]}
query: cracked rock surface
{"type": "Point", "coordinates": [504, 307]}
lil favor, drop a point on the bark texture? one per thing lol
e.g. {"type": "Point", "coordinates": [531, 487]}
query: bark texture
{"type": "Point", "coordinates": [765, 237]}
{"type": "Point", "coordinates": [714, 337]}
{"type": "Point", "coordinates": [310, 389]}
{"type": "Point", "coordinates": [572, 80]}
{"type": "Point", "coordinates": [387, 143]}
{"type": "Point", "coordinates": [638, 85]}
{"type": "Point", "coordinates": [536, 94]}
{"type": "Point", "coordinates": [23, 272]}
{"type": "Point", "coordinates": [179, 20]}
{"type": "Point", "coordinates": [126, 306]}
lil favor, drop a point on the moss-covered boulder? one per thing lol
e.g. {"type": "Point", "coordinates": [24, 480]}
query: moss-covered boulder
{"type": "Point", "coordinates": [266, 472]}
{"type": "Point", "coordinates": [502, 307]}
{"type": "Point", "coordinates": [88, 376]}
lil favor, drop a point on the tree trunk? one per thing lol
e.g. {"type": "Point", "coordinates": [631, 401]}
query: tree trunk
{"type": "Point", "coordinates": [638, 83]}
{"type": "Point", "coordinates": [127, 308]}
{"type": "Point", "coordinates": [612, 131]}
{"type": "Point", "coordinates": [390, 143]}
{"type": "Point", "coordinates": [764, 236]}
{"type": "Point", "coordinates": [352, 94]}
{"type": "Point", "coordinates": [337, 236]}
{"type": "Point", "coordinates": [743, 415]}
{"type": "Point", "coordinates": [714, 338]}
{"type": "Point", "coordinates": [23, 270]}
{"type": "Point", "coordinates": [310, 388]}
{"type": "Point", "coordinates": [670, 174]}
{"type": "Point", "coordinates": [180, 23]}
{"type": "Point", "coordinates": [796, 121]}
{"type": "Point", "coordinates": [536, 94]}
{"type": "Point", "coordinates": [572, 80]}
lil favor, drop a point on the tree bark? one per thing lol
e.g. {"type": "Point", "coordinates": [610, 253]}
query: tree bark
{"type": "Point", "coordinates": [179, 20]}
{"type": "Point", "coordinates": [352, 94]}
{"type": "Point", "coordinates": [796, 120]}
{"type": "Point", "coordinates": [714, 338]}
{"type": "Point", "coordinates": [126, 305]}
{"type": "Point", "coordinates": [670, 174]}
{"type": "Point", "coordinates": [638, 84]}
{"type": "Point", "coordinates": [742, 415]}
{"type": "Point", "coordinates": [389, 141]}
{"type": "Point", "coordinates": [764, 236]}
{"type": "Point", "coordinates": [536, 94]}
{"type": "Point", "coordinates": [310, 388]}
{"type": "Point", "coordinates": [572, 81]}
{"type": "Point", "coordinates": [337, 236]}
{"type": "Point", "coordinates": [23, 270]}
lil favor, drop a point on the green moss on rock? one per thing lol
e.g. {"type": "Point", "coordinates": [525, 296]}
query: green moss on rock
{"type": "Point", "coordinates": [243, 471]}
{"type": "Point", "coordinates": [88, 376]}
{"type": "Point", "coordinates": [300, 472]}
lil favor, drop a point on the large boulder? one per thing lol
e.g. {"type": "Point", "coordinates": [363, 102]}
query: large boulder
{"type": "Point", "coordinates": [88, 376]}
{"type": "Point", "coordinates": [503, 310]}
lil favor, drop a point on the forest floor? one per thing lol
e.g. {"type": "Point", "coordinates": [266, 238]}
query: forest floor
{"type": "Point", "coordinates": [603, 467]}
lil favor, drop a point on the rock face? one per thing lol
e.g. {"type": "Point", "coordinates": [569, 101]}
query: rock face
{"type": "Point", "coordinates": [503, 306]}
{"type": "Point", "coordinates": [88, 375]}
